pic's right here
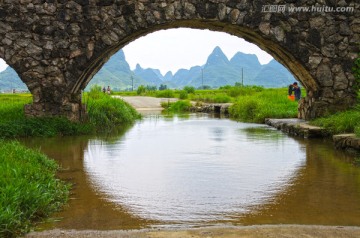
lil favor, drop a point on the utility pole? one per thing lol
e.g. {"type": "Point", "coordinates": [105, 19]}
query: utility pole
{"type": "Point", "coordinates": [202, 78]}
{"type": "Point", "coordinates": [132, 82]}
{"type": "Point", "coordinates": [242, 76]}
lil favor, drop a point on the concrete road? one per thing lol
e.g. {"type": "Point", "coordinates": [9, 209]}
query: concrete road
{"type": "Point", "coordinates": [142, 104]}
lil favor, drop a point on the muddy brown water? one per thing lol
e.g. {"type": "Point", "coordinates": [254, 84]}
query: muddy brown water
{"type": "Point", "coordinates": [198, 171]}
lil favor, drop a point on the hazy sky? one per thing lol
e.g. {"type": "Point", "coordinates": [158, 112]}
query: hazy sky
{"type": "Point", "coordinates": [182, 48]}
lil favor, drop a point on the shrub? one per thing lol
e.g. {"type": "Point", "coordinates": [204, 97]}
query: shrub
{"type": "Point", "coordinates": [183, 94]}
{"type": "Point", "coordinates": [141, 90]}
{"type": "Point", "coordinates": [106, 113]}
{"type": "Point", "coordinates": [221, 99]}
{"type": "Point", "coordinates": [177, 107]}
{"type": "Point", "coordinates": [165, 94]}
{"type": "Point", "coordinates": [189, 89]}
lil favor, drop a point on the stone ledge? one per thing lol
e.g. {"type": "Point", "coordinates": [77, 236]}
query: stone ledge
{"type": "Point", "coordinates": [346, 142]}
{"type": "Point", "coordinates": [222, 108]}
{"type": "Point", "coordinates": [297, 127]}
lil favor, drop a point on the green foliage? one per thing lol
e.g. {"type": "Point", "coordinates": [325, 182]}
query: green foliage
{"type": "Point", "coordinates": [150, 88]}
{"type": "Point", "coordinates": [189, 89]}
{"type": "Point", "coordinates": [242, 91]}
{"type": "Point", "coordinates": [163, 87]}
{"type": "Point", "coordinates": [356, 71]}
{"type": "Point", "coordinates": [270, 103]}
{"type": "Point", "coordinates": [183, 94]}
{"type": "Point", "coordinates": [167, 93]}
{"type": "Point", "coordinates": [29, 190]}
{"type": "Point", "coordinates": [141, 90]}
{"type": "Point", "coordinates": [357, 130]}
{"type": "Point", "coordinates": [106, 113]}
{"type": "Point", "coordinates": [12, 113]}
{"type": "Point", "coordinates": [177, 107]}
{"type": "Point", "coordinates": [341, 122]}
{"type": "Point", "coordinates": [222, 99]}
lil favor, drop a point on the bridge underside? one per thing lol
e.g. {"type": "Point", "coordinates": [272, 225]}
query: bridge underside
{"type": "Point", "coordinates": [57, 46]}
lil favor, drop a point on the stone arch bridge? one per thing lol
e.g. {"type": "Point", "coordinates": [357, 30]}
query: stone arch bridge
{"type": "Point", "coordinates": [56, 46]}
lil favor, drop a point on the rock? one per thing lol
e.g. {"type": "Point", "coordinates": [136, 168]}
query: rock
{"type": "Point", "coordinates": [324, 75]}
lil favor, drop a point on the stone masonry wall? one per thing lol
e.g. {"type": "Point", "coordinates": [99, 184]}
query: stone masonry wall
{"type": "Point", "coordinates": [56, 46]}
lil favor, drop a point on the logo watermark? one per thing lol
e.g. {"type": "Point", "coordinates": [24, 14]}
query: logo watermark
{"type": "Point", "coordinates": [293, 9]}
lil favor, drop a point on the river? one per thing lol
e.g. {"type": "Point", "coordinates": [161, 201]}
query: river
{"type": "Point", "coordinates": [199, 170]}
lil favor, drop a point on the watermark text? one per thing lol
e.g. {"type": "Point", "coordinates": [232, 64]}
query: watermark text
{"type": "Point", "coordinates": [293, 9]}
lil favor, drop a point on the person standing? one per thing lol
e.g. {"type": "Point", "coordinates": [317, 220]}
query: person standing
{"type": "Point", "coordinates": [108, 90]}
{"type": "Point", "coordinates": [297, 91]}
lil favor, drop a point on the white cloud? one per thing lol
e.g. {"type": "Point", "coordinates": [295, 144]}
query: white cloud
{"type": "Point", "coordinates": [3, 65]}
{"type": "Point", "coordinates": [183, 48]}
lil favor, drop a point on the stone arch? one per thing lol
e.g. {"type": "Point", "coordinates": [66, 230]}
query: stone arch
{"type": "Point", "coordinates": [56, 46]}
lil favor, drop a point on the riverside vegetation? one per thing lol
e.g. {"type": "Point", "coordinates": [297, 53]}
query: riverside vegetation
{"type": "Point", "coordinates": [29, 190]}
{"type": "Point", "coordinates": [250, 103]}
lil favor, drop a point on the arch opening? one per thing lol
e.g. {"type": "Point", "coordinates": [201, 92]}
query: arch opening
{"type": "Point", "coordinates": [276, 51]}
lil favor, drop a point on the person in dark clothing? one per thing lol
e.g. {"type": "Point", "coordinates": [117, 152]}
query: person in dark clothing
{"type": "Point", "coordinates": [290, 90]}
{"type": "Point", "coordinates": [297, 91]}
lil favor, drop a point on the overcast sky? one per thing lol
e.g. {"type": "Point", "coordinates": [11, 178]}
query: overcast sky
{"type": "Point", "coordinates": [170, 50]}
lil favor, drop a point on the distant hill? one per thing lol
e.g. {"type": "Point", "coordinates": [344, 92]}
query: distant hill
{"type": "Point", "coordinates": [9, 80]}
{"type": "Point", "coordinates": [272, 74]}
{"type": "Point", "coordinates": [217, 71]}
{"type": "Point", "coordinates": [117, 74]}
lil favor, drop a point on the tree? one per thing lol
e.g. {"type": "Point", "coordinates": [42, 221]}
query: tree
{"type": "Point", "coordinates": [141, 90]}
{"type": "Point", "coordinates": [189, 89]}
{"type": "Point", "coordinates": [163, 87]}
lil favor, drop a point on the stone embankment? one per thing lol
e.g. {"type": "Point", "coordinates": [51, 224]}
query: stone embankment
{"type": "Point", "coordinates": [299, 127]}
{"type": "Point", "coordinates": [222, 108]}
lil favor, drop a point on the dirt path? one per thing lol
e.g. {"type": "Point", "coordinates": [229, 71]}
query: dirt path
{"type": "Point", "coordinates": [269, 231]}
{"type": "Point", "coordinates": [141, 103]}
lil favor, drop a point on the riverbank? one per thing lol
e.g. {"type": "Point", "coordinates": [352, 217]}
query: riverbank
{"type": "Point", "coordinates": [298, 127]}
{"type": "Point", "coordinates": [29, 190]}
{"type": "Point", "coordinates": [270, 231]}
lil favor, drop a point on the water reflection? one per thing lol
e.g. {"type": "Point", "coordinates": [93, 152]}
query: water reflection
{"type": "Point", "coordinates": [202, 171]}
{"type": "Point", "coordinates": [190, 171]}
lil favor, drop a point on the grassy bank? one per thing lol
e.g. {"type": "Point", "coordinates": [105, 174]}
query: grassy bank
{"type": "Point", "coordinates": [269, 103]}
{"type": "Point", "coordinates": [104, 114]}
{"type": "Point", "coordinates": [29, 190]}
{"type": "Point", "coordinates": [341, 122]}
{"type": "Point", "coordinates": [177, 107]}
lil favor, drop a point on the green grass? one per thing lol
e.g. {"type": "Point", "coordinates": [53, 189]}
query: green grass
{"type": "Point", "coordinates": [269, 103]}
{"type": "Point", "coordinates": [341, 122]}
{"type": "Point", "coordinates": [29, 190]}
{"type": "Point", "coordinates": [251, 103]}
{"type": "Point", "coordinates": [13, 122]}
{"type": "Point", "coordinates": [177, 107]}
{"type": "Point", "coordinates": [104, 114]}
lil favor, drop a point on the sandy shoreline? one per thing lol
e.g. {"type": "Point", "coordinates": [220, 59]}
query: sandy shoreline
{"type": "Point", "coordinates": [257, 231]}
